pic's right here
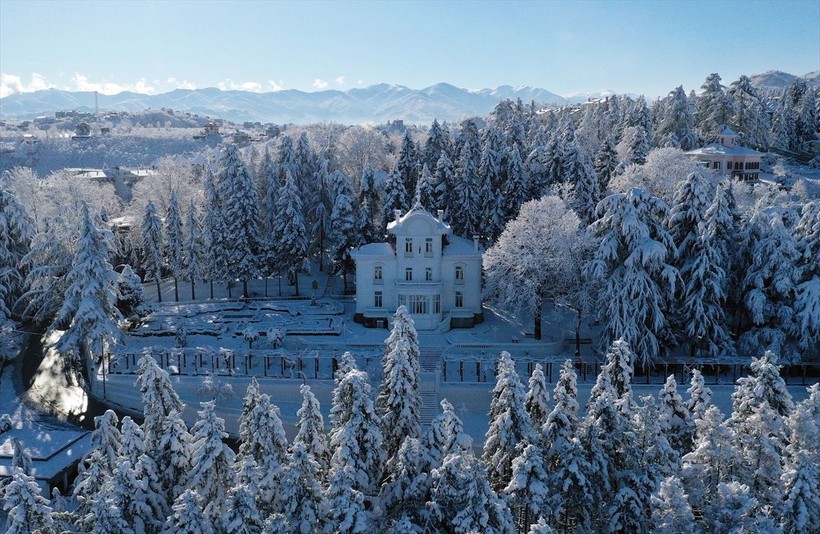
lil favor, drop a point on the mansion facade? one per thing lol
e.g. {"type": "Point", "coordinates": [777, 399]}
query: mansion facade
{"type": "Point", "coordinates": [424, 267]}
{"type": "Point", "coordinates": [727, 158]}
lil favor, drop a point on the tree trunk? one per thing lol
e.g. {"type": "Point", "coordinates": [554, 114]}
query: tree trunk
{"type": "Point", "coordinates": [230, 289]}
{"type": "Point", "coordinates": [193, 289]}
{"type": "Point", "coordinates": [212, 289]}
{"type": "Point", "coordinates": [176, 290]}
{"type": "Point", "coordinates": [296, 282]}
{"type": "Point", "coordinates": [537, 330]}
{"type": "Point", "coordinates": [159, 291]}
{"type": "Point", "coordinates": [266, 286]}
{"type": "Point", "coordinates": [280, 285]}
{"type": "Point", "coordinates": [245, 288]}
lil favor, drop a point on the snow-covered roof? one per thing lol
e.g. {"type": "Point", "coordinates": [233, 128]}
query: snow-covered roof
{"type": "Point", "coordinates": [726, 131]}
{"type": "Point", "coordinates": [374, 250]}
{"type": "Point", "coordinates": [460, 246]}
{"type": "Point", "coordinates": [717, 149]}
{"type": "Point", "coordinates": [440, 227]}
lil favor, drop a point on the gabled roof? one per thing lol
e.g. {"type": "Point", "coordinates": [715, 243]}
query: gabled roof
{"type": "Point", "coordinates": [726, 131]}
{"type": "Point", "coordinates": [717, 149]}
{"type": "Point", "coordinates": [440, 227]}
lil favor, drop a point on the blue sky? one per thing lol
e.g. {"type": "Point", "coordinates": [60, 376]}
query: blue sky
{"type": "Point", "coordinates": [565, 47]}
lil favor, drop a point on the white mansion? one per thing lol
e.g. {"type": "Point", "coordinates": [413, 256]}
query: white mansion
{"type": "Point", "coordinates": [424, 267]}
{"type": "Point", "coordinates": [727, 158]}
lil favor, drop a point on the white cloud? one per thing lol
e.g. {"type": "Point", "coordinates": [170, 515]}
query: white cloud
{"type": "Point", "coordinates": [184, 84]}
{"type": "Point", "coordinates": [276, 86]}
{"type": "Point", "coordinates": [81, 82]}
{"type": "Point", "coordinates": [230, 85]}
{"type": "Point", "coordinates": [319, 84]}
{"type": "Point", "coordinates": [340, 81]}
{"type": "Point", "coordinates": [11, 84]}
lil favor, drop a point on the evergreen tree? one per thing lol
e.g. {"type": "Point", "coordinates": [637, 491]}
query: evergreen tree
{"type": "Point", "coordinates": [403, 329]}
{"type": "Point", "coordinates": [670, 509]}
{"type": "Point", "coordinates": [528, 490]}
{"type": "Point", "coordinates": [240, 215]}
{"type": "Point", "coordinates": [16, 233]}
{"type": "Point", "coordinates": [406, 488]}
{"type": "Point", "coordinates": [444, 178]}
{"type": "Point", "coordinates": [311, 429]}
{"type": "Point", "coordinates": [462, 500]}
{"type": "Point", "coordinates": [301, 494]}
{"type": "Point", "coordinates": [368, 206]}
{"type": "Point", "coordinates": [674, 417]}
{"type": "Point", "coordinates": [807, 297]}
{"type": "Point", "coordinates": [159, 400]}
{"type": "Point", "coordinates": [425, 189]}
{"type": "Point", "coordinates": [174, 242]}
{"type": "Point", "coordinates": [135, 485]}
{"type": "Point", "coordinates": [89, 315]}
{"type": "Point", "coordinates": [291, 235]}
{"type": "Point", "coordinates": [174, 456]}
{"type": "Point", "coordinates": [510, 427]}
{"type": "Point", "coordinates": [493, 180]}
{"type": "Point", "coordinates": [343, 221]}
{"type": "Point", "coordinates": [188, 517]}
{"type": "Point", "coordinates": [677, 120]}
{"type": "Point", "coordinates": [214, 234]}
{"type": "Point", "coordinates": [437, 143]}
{"type": "Point", "coordinates": [398, 400]}
{"type": "Point", "coordinates": [152, 246]}
{"type": "Point", "coordinates": [537, 401]}
{"type": "Point", "coordinates": [801, 507]}
{"type": "Point", "coordinates": [606, 160]}
{"type": "Point", "coordinates": [516, 187]}
{"type": "Point", "coordinates": [26, 509]}
{"type": "Point", "coordinates": [465, 210]}
{"type": "Point", "coordinates": [700, 396]}
{"type": "Point", "coordinates": [749, 119]}
{"type": "Point", "coordinates": [47, 262]}
{"type": "Point", "coordinates": [633, 261]}
{"type": "Point", "coordinates": [407, 163]}
{"type": "Point", "coordinates": [395, 196]}
{"type": "Point", "coordinates": [446, 434]}
{"type": "Point", "coordinates": [241, 515]}
{"type": "Point", "coordinates": [212, 473]}
{"type": "Point", "coordinates": [714, 108]}
{"type": "Point", "coordinates": [130, 299]}
{"type": "Point", "coordinates": [193, 249]}
{"type": "Point", "coordinates": [578, 171]}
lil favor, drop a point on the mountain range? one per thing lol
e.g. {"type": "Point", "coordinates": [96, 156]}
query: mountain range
{"type": "Point", "coordinates": [374, 104]}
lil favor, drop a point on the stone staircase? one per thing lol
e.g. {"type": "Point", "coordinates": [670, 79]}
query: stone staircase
{"type": "Point", "coordinates": [429, 358]}
{"type": "Point", "coordinates": [429, 405]}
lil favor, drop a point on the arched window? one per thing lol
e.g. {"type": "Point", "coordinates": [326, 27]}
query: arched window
{"type": "Point", "coordinates": [459, 274]}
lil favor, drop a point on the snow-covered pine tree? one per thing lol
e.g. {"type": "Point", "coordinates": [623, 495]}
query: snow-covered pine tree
{"type": "Point", "coordinates": [130, 300]}
{"type": "Point", "coordinates": [801, 507]}
{"type": "Point", "coordinates": [735, 509]}
{"type": "Point", "coordinates": [89, 315]}
{"type": "Point", "coordinates": [212, 462]}
{"type": "Point", "coordinates": [425, 189]}
{"type": "Point", "coordinates": [577, 170]}
{"type": "Point", "coordinates": [438, 142]}
{"type": "Point", "coordinates": [677, 120]}
{"type": "Point", "coordinates": [633, 261]}
{"type": "Point", "coordinates": [407, 163]}
{"type": "Point", "coordinates": [174, 239]}
{"type": "Point", "coordinates": [606, 160]}
{"type": "Point", "coordinates": [158, 400]}
{"type": "Point", "coordinates": [403, 329]}
{"type": "Point", "coordinates": [670, 509]}
{"type": "Point", "coordinates": [188, 517]}
{"type": "Point", "coordinates": [240, 215]}
{"type": "Point", "coordinates": [527, 492]}
{"type": "Point", "coordinates": [538, 397]}
{"type": "Point", "coordinates": [713, 460]}
{"type": "Point", "coordinates": [492, 181]}
{"type": "Point", "coordinates": [47, 263]}
{"type": "Point", "coordinates": [152, 246]}
{"type": "Point", "coordinates": [20, 458]}
{"type": "Point", "coordinates": [395, 196]}
{"type": "Point", "coordinates": [194, 267]}
{"type": "Point", "coordinates": [290, 233]}
{"type": "Point", "coordinates": [369, 205]}
{"type": "Point", "coordinates": [465, 210]}
{"type": "Point", "coordinates": [764, 383]}
{"type": "Point", "coordinates": [658, 459]}
{"type": "Point", "coordinates": [714, 108]}
{"type": "Point", "coordinates": [300, 492]}
{"type": "Point", "coordinates": [140, 489]}
{"type": "Point", "coordinates": [807, 297]}
{"type": "Point", "coordinates": [675, 420]}
{"type": "Point", "coordinates": [213, 234]}
{"type": "Point", "coordinates": [516, 188]}
{"type": "Point", "coordinates": [510, 428]}
{"type": "Point", "coordinates": [750, 119]}
{"type": "Point", "coordinates": [446, 434]}
{"type": "Point", "coordinates": [398, 401]}
{"type": "Point", "coordinates": [355, 440]}
{"type": "Point", "coordinates": [343, 235]}
{"type": "Point", "coordinates": [16, 232]}
{"type": "Point", "coordinates": [311, 429]}
{"type": "Point", "coordinates": [406, 488]}
{"type": "Point", "coordinates": [444, 178]}
{"type": "Point", "coordinates": [174, 456]}
{"type": "Point", "coordinates": [27, 511]}
{"type": "Point", "coordinates": [617, 373]}
{"type": "Point", "coordinates": [700, 396]}
{"type": "Point", "coordinates": [462, 500]}
{"type": "Point", "coordinates": [241, 516]}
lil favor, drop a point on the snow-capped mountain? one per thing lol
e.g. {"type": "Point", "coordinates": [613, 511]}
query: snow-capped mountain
{"type": "Point", "coordinates": [775, 79]}
{"type": "Point", "coordinates": [377, 103]}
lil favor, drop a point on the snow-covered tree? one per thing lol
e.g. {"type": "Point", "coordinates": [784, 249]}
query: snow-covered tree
{"type": "Point", "coordinates": [677, 120]}
{"type": "Point", "coordinates": [395, 196]}
{"type": "Point", "coordinates": [674, 417]}
{"type": "Point", "coordinates": [510, 428]}
{"type": "Point", "coordinates": [670, 509]}
{"type": "Point", "coordinates": [462, 500]}
{"type": "Point", "coordinates": [130, 299]}
{"type": "Point", "coordinates": [369, 202]}
{"type": "Point", "coordinates": [16, 233]}
{"type": "Point", "coordinates": [407, 162]}
{"type": "Point", "coordinates": [633, 262]}
{"type": "Point", "coordinates": [194, 268]}
{"type": "Point", "coordinates": [438, 142]}
{"type": "Point", "coordinates": [26, 509]}
{"type": "Point", "coordinates": [406, 488]}
{"type": "Point", "coordinates": [213, 234]}
{"type": "Point", "coordinates": [301, 497]}
{"type": "Point", "coordinates": [89, 315]}
{"type": "Point", "coordinates": [735, 509]}
{"type": "Point", "coordinates": [20, 458]}
{"type": "Point", "coordinates": [801, 507]}
{"type": "Point", "coordinates": [174, 252]}
{"type": "Point", "coordinates": [750, 119]}
{"type": "Point", "coordinates": [159, 400]}
{"type": "Point", "coordinates": [465, 209]}
{"type": "Point", "coordinates": [343, 222]}
{"type": "Point", "coordinates": [311, 429]}
{"type": "Point", "coordinates": [135, 485]}
{"type": "Point", "coordinates": [212, 472]}
{"type": "Point", "coordinates": [606, 160]}
{"type": "Point", "coordinates": [291, 234]}
{"type": "Point", "coordinates": [174, 455]}
{"type": "Point", "coordinates": [446, 434]}
{"type": "Point", "coordinates": [188, 517]}
{"type": "Point", "coordinates": [537, 258]}
{"type": "Point", "coordinates": [398, 401]}
{"type": "Point", "coordinates": [527, 492]}
{"type": "Point", "coordinates": [240, 216]}
{"type": "Point", "coordinates": [714, 108]}
{"type": "Point", "coordinates": [444, 177]}
{"type": "Point", "coordinates": [355, 440]}
{"type": "Point", "coordinates": [152, 246]}
{"type": "Point", "coordinates": [47, 263]}
{"type": "Point", "coordinates": [807, 296]}
{"type": "Point", "coordinates": [577, 170]}
{"type": "Point", "coordinates": [425, 189]}
{"type": "Point", "coordinates": [516, 186]}
{"type": "Point", "coordinates": [700, 396]}
{"type": "Point", "coordinates": [241, 515]}
{"type": "Point", "coordinates": [537, 401]}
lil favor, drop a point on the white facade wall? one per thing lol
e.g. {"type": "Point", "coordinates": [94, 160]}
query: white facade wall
{"type": "Point", "coordinates": [418, 269]}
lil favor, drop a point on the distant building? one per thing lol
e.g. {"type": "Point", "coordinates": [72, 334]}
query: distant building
{"type": "Point", "coordinates": [424, 267]}
{"type": "Point", "coordinates": [727, 158]}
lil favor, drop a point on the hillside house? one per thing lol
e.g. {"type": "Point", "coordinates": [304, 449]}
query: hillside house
{"type": "Point", "coordinates": [424, 267]}
{"type": "Point", "coordinates": [727, 158]}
